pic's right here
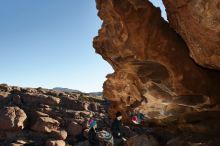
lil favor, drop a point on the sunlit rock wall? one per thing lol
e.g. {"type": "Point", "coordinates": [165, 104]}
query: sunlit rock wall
{"type": "Point", "coordinates": [198, 22]}
{"type": "Point", "coordinates": [154, 73]}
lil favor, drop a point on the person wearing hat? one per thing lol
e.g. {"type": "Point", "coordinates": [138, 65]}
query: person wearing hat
{"type": "Point", "coordinates": [116, 130]}
{"type": "Point", "coordinates": [92, 135]}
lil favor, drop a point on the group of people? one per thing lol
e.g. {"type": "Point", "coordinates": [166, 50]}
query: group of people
{"type": "Point", "coordinates": [116, 137]}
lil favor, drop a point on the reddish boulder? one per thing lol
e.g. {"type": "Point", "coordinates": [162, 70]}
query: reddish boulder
{"type": "Point", "coordinates": [59, 134]}
{"type": "Point", "coordinates": [5, 88]}
{"type": "Point", "coordinates": [55, 143]}
{"type": "Point", "coordinates": [194, 140]}
{"type": "Point", "coordinates": [12, 118]}
{"type": "Point", "coordinates": [36, 98]}
{"type": "Point", "coordinates": [45, 125]}
{"type": "Point", "coordinates": [4, 95]}
{"type": "Point", "coordinates": [74, 128]}
{"type": "Point", "coordinates": [142, 140]}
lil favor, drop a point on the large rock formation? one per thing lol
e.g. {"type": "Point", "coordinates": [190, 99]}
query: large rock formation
{"type": "Point", "coordinates": [198, 22]}
{"type": "Point", "coordinates": [154, 73]}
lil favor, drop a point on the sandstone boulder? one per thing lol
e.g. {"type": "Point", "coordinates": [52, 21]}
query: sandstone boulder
{"type": "Point", "coordinates": [55, 143]}
{"type": "Point", "coordinates": [12, 118]}
{"type": "Point", "coordinates": [85, 133]}
{"type": "Point", "coordinates": [72, 103]}
{"type": "Point", "coordinates": [85, 143]}
{"type": "Point", "coordinates": [45, 125]}
{"type": "Point", "coordinates": [5, 88]}
{"type": "Point", "coordinates": [74, 128]}
{"type": "Point", "coordinates": [54, 93]}
{"type": "Point", "coordinates": [16, 89]}
{"type": "Point", "coordinates": [194, 140]}
{"type": "Point", "coordinates": [94, 107]}
{"type": "Point", "coordinates": [142, 140]}
{"type": "Point", "coordinates": [59, 134]}
{"type": "Point", "coordinates": [18, 143]}
{"type": "Point", "coordinates": [36, 98]}
{"type": "Point", "coordinates": [4, 97]}
{"type": "Point", "coordinates": [16, 99]}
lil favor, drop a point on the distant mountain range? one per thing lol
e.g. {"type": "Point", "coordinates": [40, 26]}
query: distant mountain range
{"type": "Point", "coordinates": [96, 93]}
{"type": "Point", "coordinates": [66, 90]}
{"type": "Point", "coordinates": [73, 90]}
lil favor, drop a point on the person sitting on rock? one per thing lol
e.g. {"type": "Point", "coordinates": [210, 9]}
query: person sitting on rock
{"type": "Point", "coordinates": [116, 130]}
{"type": "Point", "coordinates": [137, 118]}
{"type": "Point", "coordinates": [92, 135]}
{"type": "Point", "coordinates": [106, 137]}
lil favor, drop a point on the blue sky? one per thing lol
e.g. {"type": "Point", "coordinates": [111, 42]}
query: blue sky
{"type": "Point", "coordinates": [159, 3]}
{"type": "Point", "coordinates": [48, 43]}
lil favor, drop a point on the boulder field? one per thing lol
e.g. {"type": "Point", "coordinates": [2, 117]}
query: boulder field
{"type": "Point", "coordinates": [41, 117]}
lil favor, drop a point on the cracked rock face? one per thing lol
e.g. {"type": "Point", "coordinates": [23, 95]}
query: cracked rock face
{"type": "Point", "coordinates": [198, 22]}
{"type": "Point", "coordinates": [154, 72]}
